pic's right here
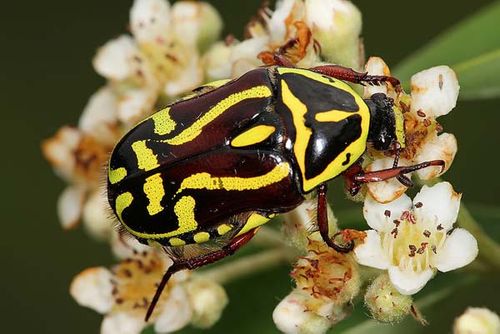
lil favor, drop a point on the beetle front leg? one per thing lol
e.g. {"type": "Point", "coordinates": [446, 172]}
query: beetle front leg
{"type": "Point", "coordinates": [324, 230]}
{"type": "Point", "coordinates": [355, 176]}
{"type": "Point", "coordinates": [197, 262]}
{"type": "Point", "coordinates": [348, 74]}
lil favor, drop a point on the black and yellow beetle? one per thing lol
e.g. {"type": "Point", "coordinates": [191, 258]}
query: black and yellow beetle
{"type": "Point", "coordinates": [211, 168]}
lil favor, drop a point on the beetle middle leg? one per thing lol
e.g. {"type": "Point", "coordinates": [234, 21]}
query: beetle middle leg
{"type": "Point", "coordinates": [348, 74]}
{"type": "Point", "coordinates": [197, 262]}
{"type": "Point", "coordinates": [322, 217]}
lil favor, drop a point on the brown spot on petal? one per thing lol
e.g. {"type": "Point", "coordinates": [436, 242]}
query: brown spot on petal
{"type": "Point", "coordinates": [440, 227]}
{"type": "Point", "coordinates": [427, 122]}
{"type": "Point", "coordinates": [440, 82]}
{"type": "Point", "coordinates": [427, 233]}
{"type": "Point", "coordinates": [421, 113]}
{"type": "Point", "coordinates": [419, 205]}
{"type": "Point", "coordinates": [387, 213]}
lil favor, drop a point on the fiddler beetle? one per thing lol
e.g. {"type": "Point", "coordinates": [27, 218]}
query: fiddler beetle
{"type": "Point", "coordinates": [200, 176]}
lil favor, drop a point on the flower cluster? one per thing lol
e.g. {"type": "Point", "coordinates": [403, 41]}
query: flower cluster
{"type": "Point", "coordinates": [173, 49]}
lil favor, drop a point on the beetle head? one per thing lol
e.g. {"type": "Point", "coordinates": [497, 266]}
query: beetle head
{"type": "Point", "coordinates": [386, 124]}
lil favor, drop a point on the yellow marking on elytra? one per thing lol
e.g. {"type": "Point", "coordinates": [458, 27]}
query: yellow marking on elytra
{"type": "Point", "coordinates": [146, 159]}
{"type": "Point", "coordinates": [332, 116]}
{"type": "Point", "coordinates": [153, 188]}
{"type": "Point", "coordinates": [299, 109]}
{"type": "Point", "coordinates": [253, 136]}
{"type": "Point", "coordinates": [224, 228]}
{"type": "Point", "coordinates": [184, 210]}
{"type": "Point", "coordinates": [201, 237]}
{"type": "Point", "coordinates": [400, 126]}
{"type": "Point", "coordinates": [176, 242]}
{"type": "Point", "coordinates": [123, 201]}
{"type": "Point", "coordinates": [209, 182]}
{"type": "Point", "coordinates": [255, 220]}
{"type": "Point", "coordinates": [163, 123]}
{"type": "Point", "coordinates": [116, 175]}
{"type": "Point", "coordinates": [195, 129]}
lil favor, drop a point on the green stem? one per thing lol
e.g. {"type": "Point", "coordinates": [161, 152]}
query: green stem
{"type": "Point", "coordinates": [247, 265]}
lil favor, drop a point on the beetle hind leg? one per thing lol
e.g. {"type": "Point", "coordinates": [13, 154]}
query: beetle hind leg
{"type": "Point", "coordinates": [197, 262]}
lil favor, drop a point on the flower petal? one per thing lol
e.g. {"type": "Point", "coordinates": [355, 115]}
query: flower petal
{"type": "Point", "coordinates": [216, 61]}
{"type": "Point", "coordinates": [477, 320]}
{"type": "Point", "coordinates": [437, 205]}
{"type": "Point", "coordinates": [69, 206]}
{"type": "Point", "coordinates": [124, 245]}
{"type": "Point", "coordinates": [459, 249]}
{"type": "Point", "coordinates": [385, 191]}
{"type": "Point", "coordinates": [376, 66]}
{"type": "Point", "coordinates": [92, 288]}
{"type": "Point", "coordinates": [123, 323]}
{"type": "Point", "coordinates": [442, 147]}
{"type": "Point", "coordinates": [176, 312]}
{"type": "Point", "coordinates": [135, 104]}
{"type": "Point", "coordinates": [208, 300]}
{"type": "Point", "coordinates": [59, 151]}
{"type": "Point", "coordinates": [118, 59]}
{"type": "Point", "coordinates": [244, 55]}
{"type": "Point", "coordinates": [380, 216]}
{"type": "Point", "coordinates": [434, 91]}
{"type": "Point", "coordinates": [99, 116]}
{"type": "Point", "coordinates": [370, 252]}
{"type": "Point", "coordinates": [409, 282]}
{"type": "Point", "coordinates": [150, 20]}
{"type": "Point", "coordinates": [96, 218]}
{"type": "Point", "coordinates": [188, 79]}
{"type": "Point", "coordinates": [286, 12]}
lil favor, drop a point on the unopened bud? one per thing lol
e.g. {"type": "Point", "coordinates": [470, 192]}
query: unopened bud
{"type": "Point", "coordinates": [385, 303]}
{"type": "Point", "coordinates": [336, 25]}
{"type": "Point", "coordinates": [208, 300]}
{"type": "Point", "coordinates": [477, 320]}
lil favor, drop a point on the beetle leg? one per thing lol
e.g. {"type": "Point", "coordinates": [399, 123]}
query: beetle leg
{"type": "Point", "coordinates": [348, 74]}
{"type": "Point", "coordinates": [323, 223]}
{"type": "Point", "coordinates": [199, 261]}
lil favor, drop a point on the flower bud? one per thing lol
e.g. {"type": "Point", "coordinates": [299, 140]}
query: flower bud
{"type": "Point", "coordinates": [336, 25]}
{"type": "Point", "coordinates": [196, 23]}
{"type": "Point", "coordinates": [292, 316]}
{"type": "Point", "coordinates": [385, 303]}
{"type": "Point", "coordinates": [217, 62]}
{"type": "Point", "coordinates": [208, 299]}
{"type": "Point", "coordinates": [477, 320]}
{"type": "Point", "coordinates": [96, 218]}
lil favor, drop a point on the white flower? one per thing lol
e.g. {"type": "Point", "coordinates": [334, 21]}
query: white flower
{"type": "Point", "coordinates": [123, 295]}
{"type": "Point", "coordinates": [477, 320]}
{"type": "Point", "coordinates": [412, 241]}
{"type": "Point", "coordinates": [434, 93]}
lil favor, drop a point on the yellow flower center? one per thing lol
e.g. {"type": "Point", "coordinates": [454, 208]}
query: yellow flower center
{"type": "Point", "coordinates": [412, 244]}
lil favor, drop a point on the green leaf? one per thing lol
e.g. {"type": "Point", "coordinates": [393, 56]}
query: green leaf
{"type": "Point", "coordinates": [471, 48]}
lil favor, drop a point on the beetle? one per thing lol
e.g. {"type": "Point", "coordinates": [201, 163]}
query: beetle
{"type": "Point", "coordinates": [200, 176]}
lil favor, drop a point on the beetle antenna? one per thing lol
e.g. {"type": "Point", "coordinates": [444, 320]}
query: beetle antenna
{"type": "Point", "coordinates": [175, 267]}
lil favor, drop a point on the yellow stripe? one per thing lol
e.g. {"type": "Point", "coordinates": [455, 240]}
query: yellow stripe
{"type": "Point", "coordinates": [116, 175]}
{"type": "Point", "coordinates": [253, 221]}
{"type": "Point", "coordinates": [299, 109]}
{"type": "Point", "coordinates": [153, 188]}
{"type": "Point", "coordinates": [333, 116]}
{"type": "Point", "coordinates": [195, 129]}
{"type": "Point", "coordinates": [123, 201]}
{"type": "Point", "coordinates": [146, 159]}
{"type": "Point", "coordinates": [184, 209]}
{"type": "Point", "coordinates": [201, 237]}
{"type": "Point", "coordinates": [176, 242]}
{"type": "Point", "coordinates": [163, 123]}
{"type": "Point", "coordinates": [253, 136]}
{"type": "Point", "coordinates": [209, 182]}
{"type": "Point", "coordinates": [224, 228]}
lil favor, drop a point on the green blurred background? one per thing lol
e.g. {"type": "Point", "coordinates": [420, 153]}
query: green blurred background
{"type": "Point", "coordinates": [46, 78]}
